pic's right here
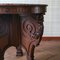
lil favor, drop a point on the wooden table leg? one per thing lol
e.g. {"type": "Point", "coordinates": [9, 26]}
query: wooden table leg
{"type": "Point", "coordinates": [32, 31]}
{"type": "Point", "coordinates": [1, 55]}
{"type": "Point", "coordinates": [19, 51]}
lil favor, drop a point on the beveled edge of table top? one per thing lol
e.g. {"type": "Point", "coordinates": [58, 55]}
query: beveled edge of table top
{"type": "Point", "coordinates": [22, 5]}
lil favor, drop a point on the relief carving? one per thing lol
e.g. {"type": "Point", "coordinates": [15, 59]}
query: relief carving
{"type": "Point", "coordinates": [32, 27]}
{"type": "Point", "coordinates": [32, 31]}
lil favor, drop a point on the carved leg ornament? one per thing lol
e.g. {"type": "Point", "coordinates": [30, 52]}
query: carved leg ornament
{"type": "Point", "coordinates": [32, 31]}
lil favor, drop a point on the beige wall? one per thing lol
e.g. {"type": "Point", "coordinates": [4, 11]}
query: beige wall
{"type": "Point", "coordinates": [52, 18]}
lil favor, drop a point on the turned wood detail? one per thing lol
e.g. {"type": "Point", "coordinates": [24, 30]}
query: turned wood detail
{"type": "Point", "coordinates": [21, 25]}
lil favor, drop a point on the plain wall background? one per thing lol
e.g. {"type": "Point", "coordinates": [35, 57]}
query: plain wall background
{"type": "Point", "coordinates": [52, 17]}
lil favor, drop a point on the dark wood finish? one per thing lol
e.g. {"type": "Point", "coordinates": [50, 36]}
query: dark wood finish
{"type": "Point", "coordinates": [21, 25]}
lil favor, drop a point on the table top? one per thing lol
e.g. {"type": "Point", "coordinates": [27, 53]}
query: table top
{"type": "Point", "coordinates": [23, 5]}
{"type": "Point", "coordinates": [22, 8]}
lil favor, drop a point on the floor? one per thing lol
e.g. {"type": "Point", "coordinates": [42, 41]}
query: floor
{"type": "Point", "coordinates": [47, 50]}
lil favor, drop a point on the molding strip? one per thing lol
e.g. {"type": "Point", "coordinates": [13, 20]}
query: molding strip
{"type": "Point", "coordinates": [49, 38]}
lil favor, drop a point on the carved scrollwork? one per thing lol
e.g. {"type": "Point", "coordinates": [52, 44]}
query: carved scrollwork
{"type": "Point", "coordinates": [33, 27]}
{"type": "Point", "coordinates": [38, 25]}
{"type": "Point", "coordinates": [28, 27]}
{"type": "Point", "coordinates": [38, 17]}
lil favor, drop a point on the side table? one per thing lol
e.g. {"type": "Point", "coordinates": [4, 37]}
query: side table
{"type": "Point", "coordinates": [21, 25]}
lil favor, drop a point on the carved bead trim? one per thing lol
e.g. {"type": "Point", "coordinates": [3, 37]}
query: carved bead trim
{"type": "Point", "coordinates": [8, 10]}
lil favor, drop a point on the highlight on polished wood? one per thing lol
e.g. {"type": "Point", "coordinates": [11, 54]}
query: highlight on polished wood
{"type": "Point", "coordinates": [21, 25]}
